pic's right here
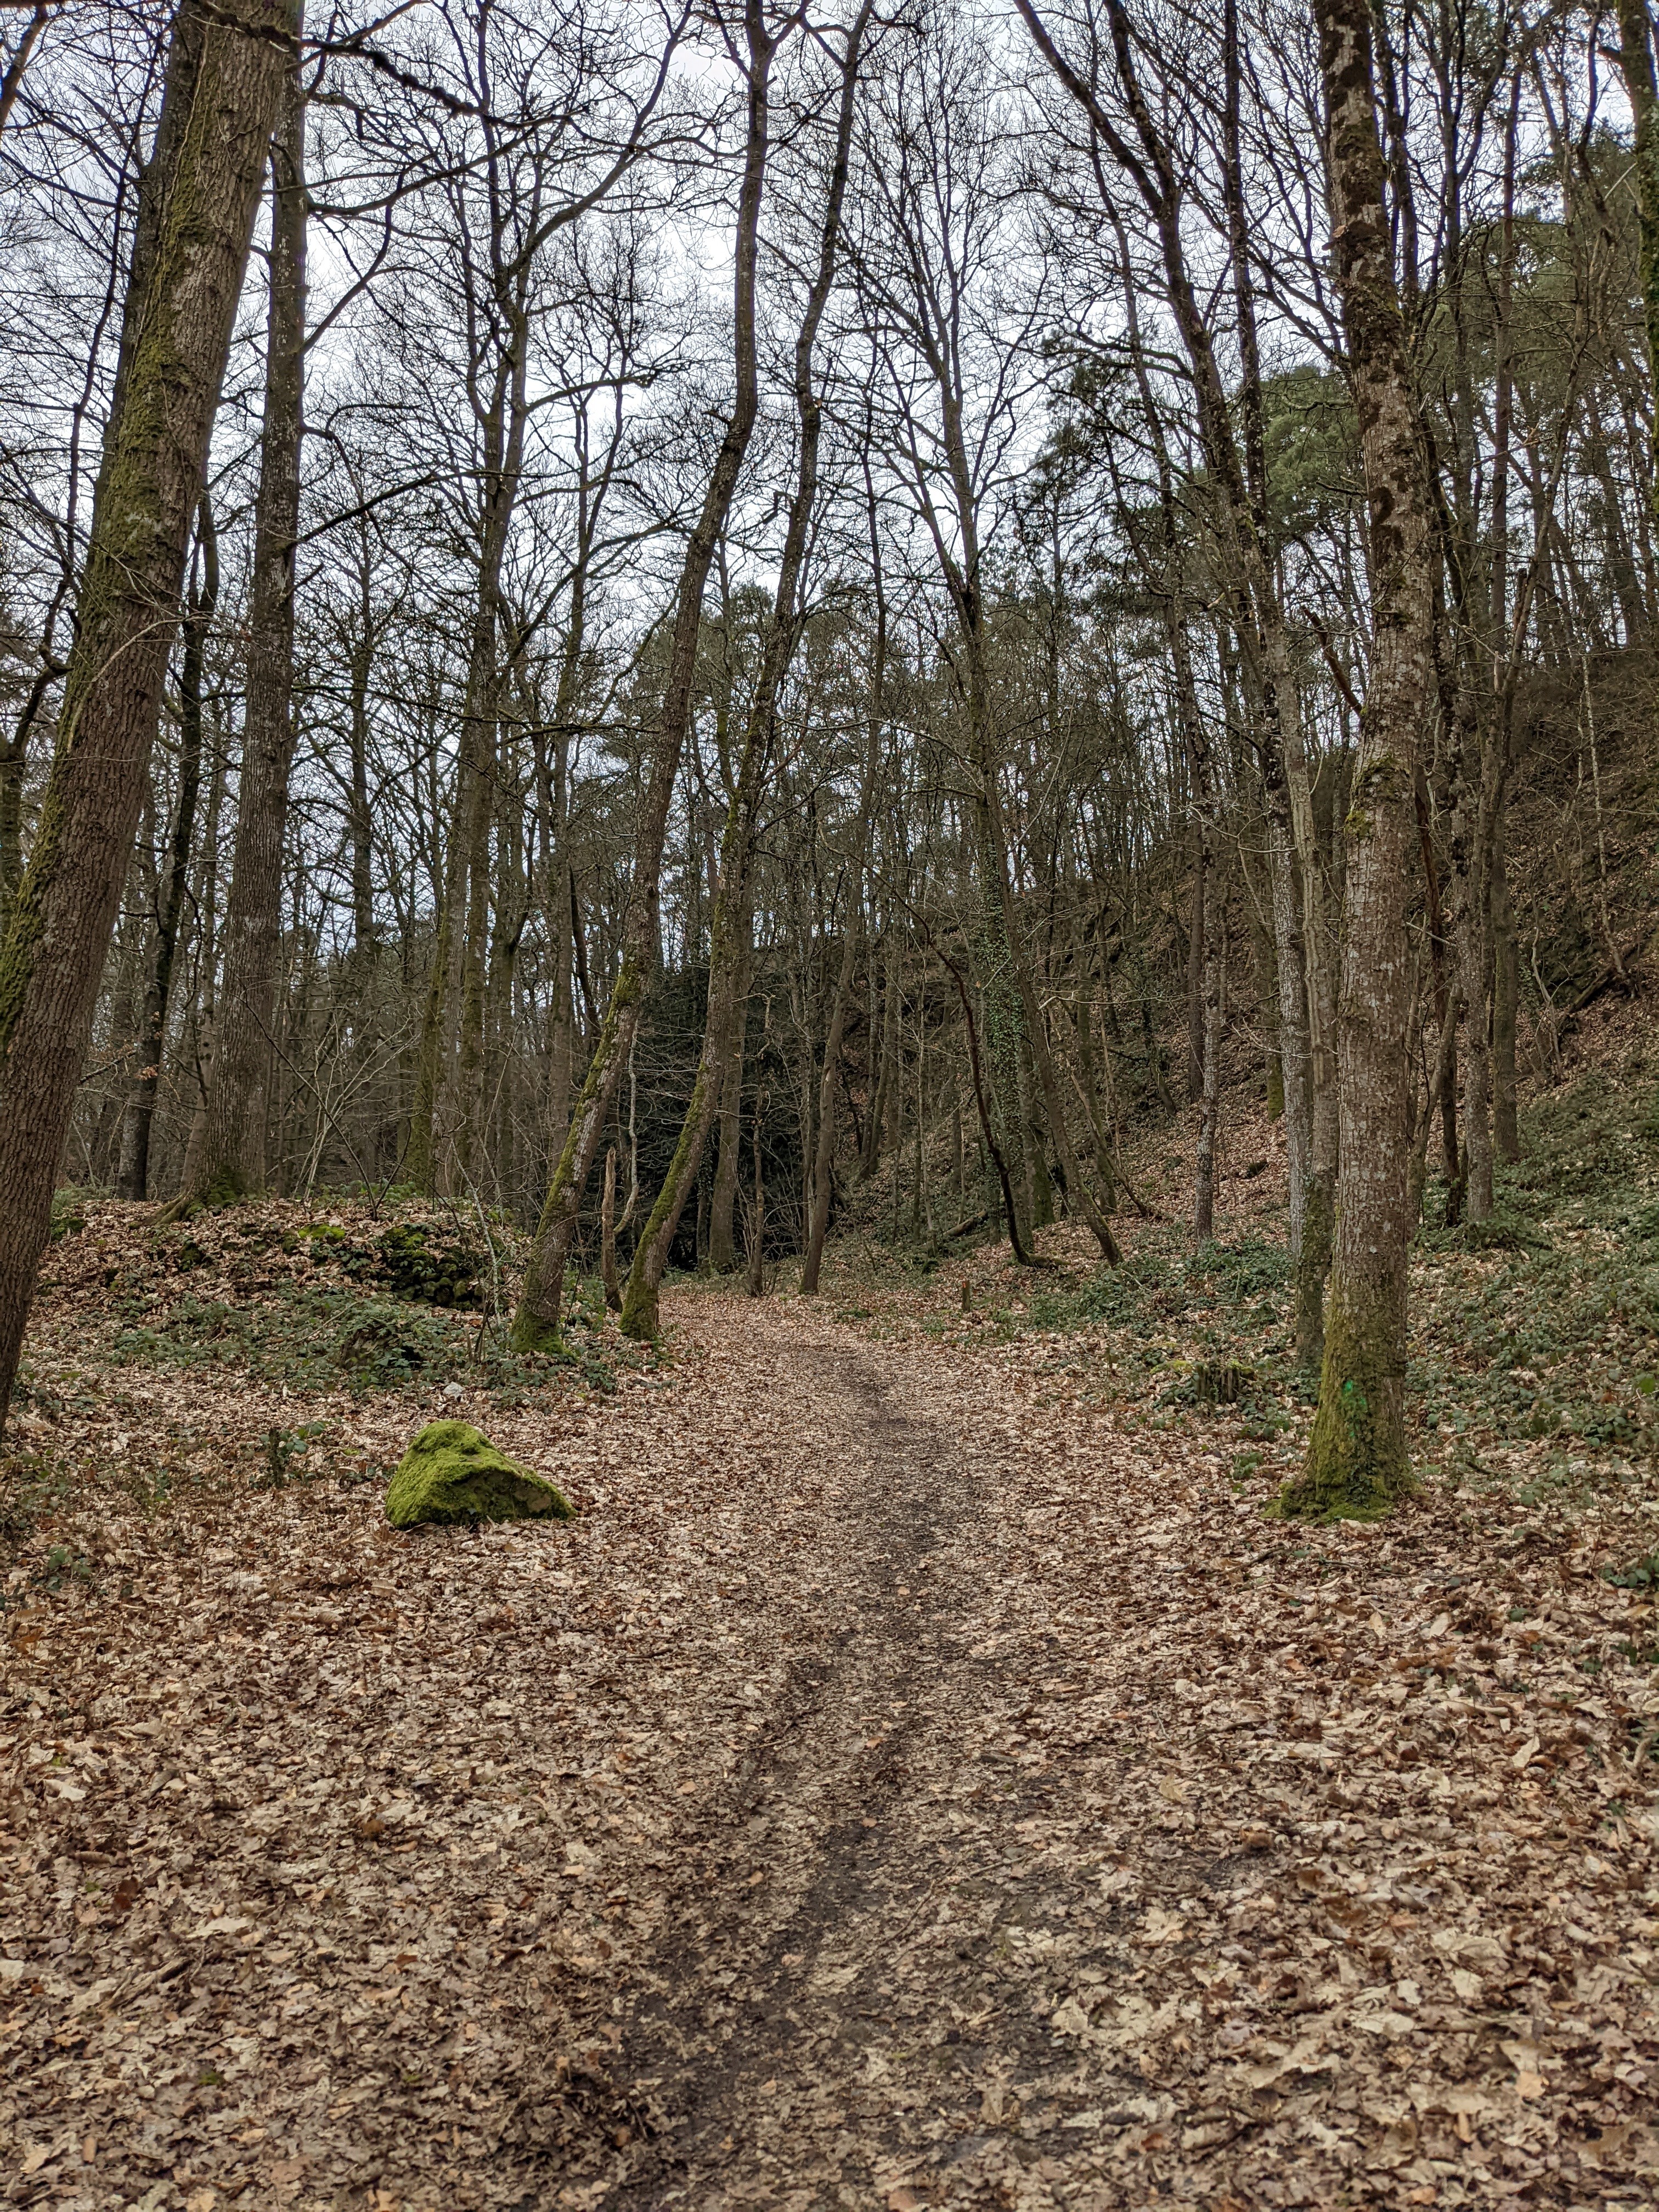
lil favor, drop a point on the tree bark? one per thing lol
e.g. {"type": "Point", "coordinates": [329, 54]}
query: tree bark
{"type": "Point", "coordinates": [1357, 1461]}
{"type": "Point", "coordinates": [1637, 66]}
{"type": "Point", "coordinates": [723, 1199]}
{"type": "Point", "coordinates": [608, 1274]}
{"type": "Point", "coordinates": [232, 1164]}
{"type": "Point", "coordinates": [132, 1181]}
{"type": "Point", "coordinates": [223, 91]}
{"type": "Point", "coordinates": [1210, 1084]}
{"type": "Point", "coordinates": [818, 1196]}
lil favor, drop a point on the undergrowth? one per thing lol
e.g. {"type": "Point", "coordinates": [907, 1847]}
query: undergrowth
{"type": "Point", "coordinates": [1534, 1334]}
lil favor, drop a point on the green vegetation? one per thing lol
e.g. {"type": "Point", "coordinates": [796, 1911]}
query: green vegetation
{"type": "Point", "coordinates": [1534, 1337]}
{"type": "Point", "coordinates": [452, 1472]}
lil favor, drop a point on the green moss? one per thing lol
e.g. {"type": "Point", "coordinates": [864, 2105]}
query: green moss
{"type": "Point", "coordinates": [1357, 1465]}
{"type": "Point", "coordinates": [530, 1333]}
{"type": "Point", "coordinates": [452, 1472]}
{"type": "Point", "coordinates": [223, 1187]}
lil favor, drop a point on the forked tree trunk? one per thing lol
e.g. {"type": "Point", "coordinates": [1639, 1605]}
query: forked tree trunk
{"type": "Point", "coordinates": [1079, 1195]}
{"type": "Point", "coordinates": [1357, 1458]}
{"type": "Point", "coordinates": [231, 1161]}
{"type": "Point", "coordinates": [536, 1324]}
{"type": "Point", "coordinates": [222, 94]}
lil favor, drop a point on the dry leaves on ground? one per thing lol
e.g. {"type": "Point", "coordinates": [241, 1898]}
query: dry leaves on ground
{"type": "Point", "coordinates": [911, 1781]}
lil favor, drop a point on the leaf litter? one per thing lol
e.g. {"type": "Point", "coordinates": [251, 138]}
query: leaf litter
{"type": "Point", "coordinates": [920, 1776]}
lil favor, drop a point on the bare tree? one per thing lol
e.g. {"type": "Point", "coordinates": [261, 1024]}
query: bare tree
{"type": "Point", "coordinates": [224, 81]}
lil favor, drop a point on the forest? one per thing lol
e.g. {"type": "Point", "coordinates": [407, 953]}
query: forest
{"type": "Point", "coordinates": [828, 1128]}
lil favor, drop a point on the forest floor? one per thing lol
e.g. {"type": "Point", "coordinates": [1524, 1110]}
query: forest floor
{"type": "Point", "coordinates": [920, 1776]}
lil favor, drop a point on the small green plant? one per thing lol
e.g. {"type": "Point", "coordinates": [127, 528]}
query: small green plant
{"type": "Point", "coordinates": [284, 1448]}
{"type": "Point", "coordinates": [379, 1352]}
{"type": "Point", "coordinates": [63, 1567]}
{"type": "Point", "coordinates": [1641, 1574]}
{"type": "Point", "coordinates": [423, 1265]}
{"type": "Point", "coordinates": [69, 1212]}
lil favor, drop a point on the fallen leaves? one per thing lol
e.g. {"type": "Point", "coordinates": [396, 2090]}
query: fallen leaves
{"type": "Point", "coordinates": [909, 1765]}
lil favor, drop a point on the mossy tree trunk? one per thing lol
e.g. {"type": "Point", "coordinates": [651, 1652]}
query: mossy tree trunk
{"type": "Point", "coordinates": [231, 1164]}
{"type": "Point", "coordinates": [536, 1324]}
{"type": "Point", "coordinates": [222, 99]}
{"type": "Point", "coordinates": [733, 920]}
{"type": "Point", "coordinates": [1357, 1461]}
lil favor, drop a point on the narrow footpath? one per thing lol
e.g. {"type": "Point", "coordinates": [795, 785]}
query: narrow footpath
{"type": "Point", "coordinates": [907, 1782]}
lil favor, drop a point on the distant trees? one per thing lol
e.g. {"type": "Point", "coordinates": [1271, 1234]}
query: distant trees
{"type": "Point", "coordinates": [869, 724]}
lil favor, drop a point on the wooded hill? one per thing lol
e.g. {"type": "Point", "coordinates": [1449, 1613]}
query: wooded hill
{"type": "Point", "coordinates": [730, 624]}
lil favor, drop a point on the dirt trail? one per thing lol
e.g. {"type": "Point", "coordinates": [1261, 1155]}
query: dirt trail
{"type": "Point", "coordinates": [1073, 1863]}
{"type": "Point", "coordinates": [792, 2036]}
{"type": "Point", "coordinates": [905, 1783]}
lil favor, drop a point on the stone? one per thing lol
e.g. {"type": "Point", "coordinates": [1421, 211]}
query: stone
{"type": "Point", "coordinates": [452, 1472]}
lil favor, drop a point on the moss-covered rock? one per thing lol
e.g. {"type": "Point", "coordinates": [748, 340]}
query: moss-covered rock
{"type": "Point", "coordinates": [452, 1473]}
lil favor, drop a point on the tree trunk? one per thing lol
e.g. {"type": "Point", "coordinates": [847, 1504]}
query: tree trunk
{"type": "Point", "coordinates": [222, 94]}
{"type": "Point", "coordinates": [133, 1179]}
{"type": "Point", "coordinates": [233, 1159]}
{"type": "Point", "coordinates": [1506, 991]}
{"type": "Point", "coordinates": [608, 1274]}
{"type": "Point", "coordinates": [819, 1197]}
{"type": "Point", "coordinates": [1200, 858]}
{"type": "Point", "coordinates": [536, 1324]}
{"type": "Point", "coordinates": [723, 1200]}
{"type": "Point", "coordinates": [1210, 1089]}
{"type": "Point", "coordinates": [875, 1133]}
{"type": "Point", "coordinates": [756, 1280]}
{"type": "Point", "coordinates": [1357, 1458]}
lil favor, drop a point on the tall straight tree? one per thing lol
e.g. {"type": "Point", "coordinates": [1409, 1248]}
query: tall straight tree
{"type": "Point", "coordinates": [817, 1197]}
{"type": "Point", "coordinates": [225, 75]}
{"type": "Point", "coordinates": [1356, 1456]}
{"type": "Point", "coordinates": [1144, 150]}
{"type": "Point", "coordinates": [132, 1180]}
{"type": "Point", "coordinates": [537, 1320]}
{"type": "Point", "coordinates": [228, 1161]}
